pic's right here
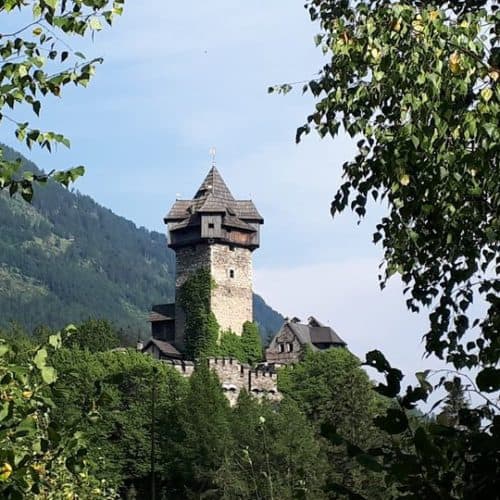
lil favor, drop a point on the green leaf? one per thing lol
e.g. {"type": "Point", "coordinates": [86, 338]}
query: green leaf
{"type": "Point", "coordinates": [95, 24]}
{"type": "Point", "coordinates": [40, 358]}
{"type": "Point", "coordinates": [55, 341]}
{"type": "Point", "coordinates": [4, 410]}
{"type": "Point", "coordinates": [49, 374]}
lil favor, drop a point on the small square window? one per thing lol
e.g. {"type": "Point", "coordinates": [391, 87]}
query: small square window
{"type": "Point", "coordinates": [231, 273]}
{"type": "Point", "coordinates": [211, 225]}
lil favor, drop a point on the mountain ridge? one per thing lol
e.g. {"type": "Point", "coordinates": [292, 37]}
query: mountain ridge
{"type": "Point", "coordinates": [66, 258]}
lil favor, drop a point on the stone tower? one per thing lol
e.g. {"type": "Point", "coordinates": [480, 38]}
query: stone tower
{"type": "Point", "coordinates": [216, 232]}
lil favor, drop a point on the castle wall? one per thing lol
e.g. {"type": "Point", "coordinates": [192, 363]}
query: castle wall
{"type": "Point", "coordinates": [235, 377]}
{"type": "Point", "coordinates": [231, 300]}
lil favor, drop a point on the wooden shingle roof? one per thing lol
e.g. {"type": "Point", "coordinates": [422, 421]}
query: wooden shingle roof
{"type": "Point", "coordinates": [314, 333]}
{"type": "Point", "coordinates": [165, 348]}
{"type": "Point", "coordinates": [213, 196]}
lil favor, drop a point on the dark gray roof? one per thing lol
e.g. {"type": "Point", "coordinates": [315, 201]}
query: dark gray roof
{"type": "Point", "coordinates": [214, 184]}
{"type": "Point", "coordinates": [312, 335]}
{"type": "Point", "coordinates": [166, 348]}
{"type": "Point", "coordinates": [213, 196]}
{"type": "Point", "coordinates": [162, 312]}
{"type": "Point", "coordinates": [231, 221]}
{"type": "Point", "coordinates": [324, 335]}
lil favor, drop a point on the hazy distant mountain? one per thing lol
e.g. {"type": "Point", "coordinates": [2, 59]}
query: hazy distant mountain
{"type": "Point", "coordinates": [66, 258]}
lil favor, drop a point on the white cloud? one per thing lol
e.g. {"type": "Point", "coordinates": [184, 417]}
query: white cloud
{"type": "Point", "coordinates": [345, 294]}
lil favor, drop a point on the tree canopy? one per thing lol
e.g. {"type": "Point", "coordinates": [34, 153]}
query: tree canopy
{"type": "Point", "coordinates": [416, 85]}
{"type": "Point", "coordinates": [37, 62]}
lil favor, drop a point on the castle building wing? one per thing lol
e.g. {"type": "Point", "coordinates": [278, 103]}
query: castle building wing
{"type": "Point", "coordinates": [293, 336]}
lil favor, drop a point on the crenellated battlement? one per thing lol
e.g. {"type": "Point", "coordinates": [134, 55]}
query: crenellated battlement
{"type": "Point", "coordinates": [185, 368]}
{"type": "Point", "coordinates": [234, 376]}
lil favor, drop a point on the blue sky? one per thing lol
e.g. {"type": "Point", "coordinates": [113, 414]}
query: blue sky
{"type": "Point", "coordinates": [181, 77]}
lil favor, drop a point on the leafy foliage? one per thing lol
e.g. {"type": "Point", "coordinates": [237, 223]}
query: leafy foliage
{"type": "Point", "coordinates": [112, 406]}
{"type": "Point", "coordinates": [435, 459]}
{"type": "Point", "coordinates": [277, 453]}
{"type": "Point", "coordinates": [251, 344]}
{"type": "Point", "coordinates": [39, 458]}
{"type": "Point", "coordinates": [206, 438]}
{"type": "Point", "coordinates": [230, 346]}
{"type": "Point", "coordinates": [95, 335]}
{"type": "Point", "coordinates": [201, 327]}
{"type": "Point", "coordinates": [37, 62]}
{"type": "Point", "coordinates": [246, 347]}
{"type": "Point", "coordinates": [416, 83]}
{"type": "Point", "coordinates": [335, 393]}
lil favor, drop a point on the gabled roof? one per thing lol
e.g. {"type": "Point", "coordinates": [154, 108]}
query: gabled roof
{"type": "Point", "coordinates": [165, 348]}
{"type": "Point", "coordinates": [313, 333]}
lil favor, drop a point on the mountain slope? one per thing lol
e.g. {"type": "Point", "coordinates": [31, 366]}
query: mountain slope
{"type": "Point", "coordinates": [66, 258]}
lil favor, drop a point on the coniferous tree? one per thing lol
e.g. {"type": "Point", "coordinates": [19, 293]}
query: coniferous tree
{"type": "Point", "coordinates": [335, 393]}
{"type": "Point", "coordinates": [205, 429]}
{"type": "Point", "coordinates": [230, 346]}
{"type": "Point", "coordinates": [251, 344]}
{"type": "Point", "coordinates": [276, 455]}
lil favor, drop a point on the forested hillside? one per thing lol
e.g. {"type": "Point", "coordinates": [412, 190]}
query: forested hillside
{"type": "Point", "coordinates": [66, 258]}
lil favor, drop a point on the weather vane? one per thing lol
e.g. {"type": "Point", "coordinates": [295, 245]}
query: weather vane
{"type": "Point", "coordinates": [213, 152]}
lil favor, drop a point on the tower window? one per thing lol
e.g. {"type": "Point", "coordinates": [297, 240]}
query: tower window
{"type": "Point", "coordinates": [231, 273]}
{"type": "Point", "coordinates": [211, 225]}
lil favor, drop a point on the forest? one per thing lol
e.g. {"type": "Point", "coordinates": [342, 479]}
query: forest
{"type": "Point", "coordinates": [133, 420]}
{"type": "Point", "coordinates": [64, 259]}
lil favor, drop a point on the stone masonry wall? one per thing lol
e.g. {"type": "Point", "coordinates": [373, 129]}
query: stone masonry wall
{"type": "Point", "coordinates": [231, 301]}
{"type": "Point", "coordinates": [235, 377]}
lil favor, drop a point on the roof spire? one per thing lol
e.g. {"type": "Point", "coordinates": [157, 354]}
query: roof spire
{"type": "Point", "coordinates": [213, 153]}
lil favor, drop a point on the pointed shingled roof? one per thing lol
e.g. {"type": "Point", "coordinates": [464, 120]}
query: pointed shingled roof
{"type": "Point", "coordinates": [215, 186]}
{"type": "Point", "coordinates": [212, 196]}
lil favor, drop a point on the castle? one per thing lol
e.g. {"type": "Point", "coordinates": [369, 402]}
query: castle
{"type": "Point", "coordinates": [215, 232]}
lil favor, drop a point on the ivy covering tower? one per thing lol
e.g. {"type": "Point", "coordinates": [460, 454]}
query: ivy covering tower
{"type": "Point", "coordinates": [214, 233]}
